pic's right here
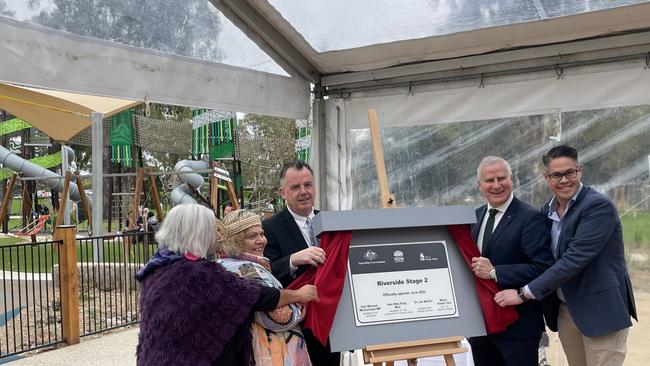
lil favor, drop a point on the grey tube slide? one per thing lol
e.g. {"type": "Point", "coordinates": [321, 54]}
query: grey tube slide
{"type": "Point", "coordinates": [183, 193]}
{"type": "Point", "coordinates": [14, 162]}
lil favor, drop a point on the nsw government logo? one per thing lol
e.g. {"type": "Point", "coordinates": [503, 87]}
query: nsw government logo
{"type": "Point", "coordinates": [398, 256]}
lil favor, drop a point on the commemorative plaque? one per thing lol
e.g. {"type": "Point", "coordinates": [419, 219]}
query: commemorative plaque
{"type": "Point", "coordinates": [399, 282]}
{"type": "Point", "coordinates": [406, 278]}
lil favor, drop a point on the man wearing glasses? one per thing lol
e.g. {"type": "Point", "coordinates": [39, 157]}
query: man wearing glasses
{"type": "Point", "coordinates": [587, 291]}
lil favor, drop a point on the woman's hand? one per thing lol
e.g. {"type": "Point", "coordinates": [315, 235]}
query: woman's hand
{"type": "Point", "coordinates": [304, 294]}
{"type": "Point", "coordinates": [308, 293]}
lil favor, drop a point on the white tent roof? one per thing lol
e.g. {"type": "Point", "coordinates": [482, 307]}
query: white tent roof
{"type": "Point", "coordinates": [324, 38]}
{"type": "Point", "coordinates": [328, 43]}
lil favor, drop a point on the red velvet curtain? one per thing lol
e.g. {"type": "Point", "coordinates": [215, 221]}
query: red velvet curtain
{"type": "Point", "coordinates": [329, 279]}
{"type": "Point", "coordinates": [496, 318]}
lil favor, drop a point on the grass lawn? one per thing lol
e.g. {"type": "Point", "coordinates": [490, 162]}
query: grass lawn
{"type": "Point", "coordinates": [40, 257]}
{"type": "Point", "coordinates": [636, 230]}
{"type": "Point", "coordinates": [8, 240]}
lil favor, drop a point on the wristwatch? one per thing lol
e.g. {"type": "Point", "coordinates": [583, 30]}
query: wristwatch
{"type": "Point", "coordinates": [493, 274]}
{"type": "Point", "coordinates": [522, 294]}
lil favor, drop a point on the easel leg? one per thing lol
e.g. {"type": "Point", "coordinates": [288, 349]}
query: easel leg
{"type": "Point", "coordinates": [449, 360]}
{"type": "Point", "coordinates": [412, 362]}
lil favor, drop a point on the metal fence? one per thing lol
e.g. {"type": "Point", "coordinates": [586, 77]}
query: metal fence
{"type": "Point", "coordinates": [56, 291]}
{"type": "Point", "coordinates": [108, 292]}
{"type": "Point", "coordinates": [31, 300]}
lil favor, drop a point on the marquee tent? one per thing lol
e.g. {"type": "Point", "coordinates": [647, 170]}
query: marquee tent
{"type": "Point", "coordinates": [563, 69]}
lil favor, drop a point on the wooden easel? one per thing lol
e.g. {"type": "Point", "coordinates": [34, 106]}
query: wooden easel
{"type": "Point", "coordinates": [412, 350]}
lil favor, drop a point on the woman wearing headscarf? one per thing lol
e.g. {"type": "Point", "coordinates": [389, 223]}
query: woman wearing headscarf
{"type": "Point", "coordinates": [193, 311]}
{"type": "Point", "coordinates": [277, 336]}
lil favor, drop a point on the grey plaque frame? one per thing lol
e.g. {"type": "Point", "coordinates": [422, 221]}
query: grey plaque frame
{"type": "Point", "coordinates": [404, 225]}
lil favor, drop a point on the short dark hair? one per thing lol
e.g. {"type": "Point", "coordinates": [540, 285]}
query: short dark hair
{"type": "Point", "coordinates": [295, 164]}
{"type": "Point", "coordinates": [561, 151]}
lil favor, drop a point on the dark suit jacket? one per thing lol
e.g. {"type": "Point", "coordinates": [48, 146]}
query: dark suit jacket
{"type": "Point", "coordinates": [283, 239]}
{"type": "Point", "coordinates": [590, 268]}
{"type": "Point", "coordinates": [519, 249]}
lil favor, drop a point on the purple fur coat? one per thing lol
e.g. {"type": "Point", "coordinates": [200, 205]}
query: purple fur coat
{"type": "Point", "coordinates": [190, 310]}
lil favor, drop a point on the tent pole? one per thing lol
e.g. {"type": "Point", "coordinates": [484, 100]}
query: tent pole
{"type": "Point", "coordinates": [97, 181]}
{"type": "Point", "coordinates": [65, 200]}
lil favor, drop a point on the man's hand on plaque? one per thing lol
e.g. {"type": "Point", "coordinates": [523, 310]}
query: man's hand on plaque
{"type": "Point", "coordinates": [482, 267]}
{"type": "Point", "coordinates": [312, 256]}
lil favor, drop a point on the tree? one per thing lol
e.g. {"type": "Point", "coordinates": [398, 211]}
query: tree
{"type": "Point", "coordinates": [4, 11]}
{"type": "Point", "coordinates": [265, 144]}
{"type": "Point", "coordinates": [188, 28]}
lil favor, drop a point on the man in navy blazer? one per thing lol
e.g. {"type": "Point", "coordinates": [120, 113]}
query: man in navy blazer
{"type": "Point", "coordinates": [514, 246]}
{"type": "Point", "coordinates": [291, 246]}
{"type": "Point", "coordinates": [587, 292]}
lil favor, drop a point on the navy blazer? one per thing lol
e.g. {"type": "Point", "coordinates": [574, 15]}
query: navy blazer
{"type": "Point", "coordinates": [284, 238]}
{"type": "Point", "coordinates": [590, 268]}
{"type": "Point", "coordinates": [519, 249]}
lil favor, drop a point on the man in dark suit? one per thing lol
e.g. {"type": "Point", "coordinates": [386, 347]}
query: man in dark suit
{"type": "Point", "coordinates": [291, 246]}
{"type": "Point", "coordinates": [514, 244]}
{"type": "Point", "coordinates": [587, 292]}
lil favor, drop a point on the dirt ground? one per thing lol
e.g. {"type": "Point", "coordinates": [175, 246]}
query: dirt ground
{"type": "Point", "coordinates": [638, 350]}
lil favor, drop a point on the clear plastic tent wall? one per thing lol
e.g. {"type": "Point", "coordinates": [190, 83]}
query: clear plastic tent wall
{"type": "Point", "coordinates": [172, 52]}
{"type": "Point", "coordinates": [434, 136]}
{"type": "Point", "coordinates": [340, 24]}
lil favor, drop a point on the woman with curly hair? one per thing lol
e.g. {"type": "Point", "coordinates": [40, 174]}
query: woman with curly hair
{"type": "Point", "coordinates": [277, 336]}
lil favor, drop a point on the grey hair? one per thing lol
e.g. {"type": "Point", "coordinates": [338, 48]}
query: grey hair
{"type": "Point", "coordinates": [189, 228]}
{"type": "Point", "coordinates": [493, 160]}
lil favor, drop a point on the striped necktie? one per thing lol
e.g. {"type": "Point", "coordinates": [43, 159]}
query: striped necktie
{"type": "Point", "coordinates": [310, 233]}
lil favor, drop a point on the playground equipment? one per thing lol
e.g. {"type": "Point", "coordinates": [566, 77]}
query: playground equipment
{"type": "Point", "coordinates": [192, 181]}
{"type": "Point", "coordinates": [54, 181]}
{"type": "Point", "coordinates": [34, 227]}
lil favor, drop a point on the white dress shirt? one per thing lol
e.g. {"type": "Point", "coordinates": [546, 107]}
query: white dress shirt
{"type": "Point", "coordinates": [500, 211]}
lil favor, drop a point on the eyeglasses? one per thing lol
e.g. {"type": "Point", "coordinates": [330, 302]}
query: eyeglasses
{"type": "Point", "coordinates": [569, 174]}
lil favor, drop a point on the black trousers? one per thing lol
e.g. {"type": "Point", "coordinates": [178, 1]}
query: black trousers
{"type": "Point", "coordinates": [319, 355]}
{"type": "Point", "coordinates": [494, 351]}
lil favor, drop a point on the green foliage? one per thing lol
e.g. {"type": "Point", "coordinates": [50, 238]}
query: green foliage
{"type": "Point", "coordinates": [269, 142]}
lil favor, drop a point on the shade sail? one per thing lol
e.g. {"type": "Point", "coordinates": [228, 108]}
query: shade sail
{"type": "Point", "coordinates": [60, 115]}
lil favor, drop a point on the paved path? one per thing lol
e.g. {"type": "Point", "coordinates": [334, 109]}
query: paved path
{"type": "Point", "coordinates": [117, 348]}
